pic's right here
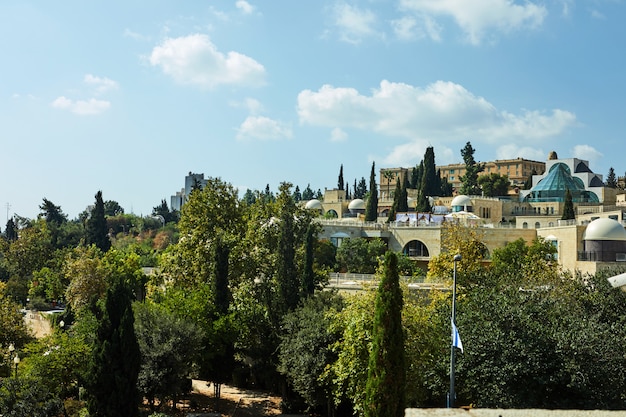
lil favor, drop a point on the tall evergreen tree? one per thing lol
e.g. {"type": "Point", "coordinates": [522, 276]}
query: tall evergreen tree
{"type": "Point", "coordinates": [430, 184]}
{"type": "Point", "coordinates": [347, 189]}
{"type": "Point", "coordinates": [97, 232]}
{"type": "Point", "coordinates": [340, 179]}
{"type": "Point", "coordinates": [371, 209]}
{"type": "Point", "coordinates": [308, 274]}
{"type": "Point", "coordinates": [307, 194]}
{"type": "Point", "coordinates": [52, 213]}
{"type": "Point", "coordinates": [297, 196]}
{"type": "Point", "coordinates": [446, 187]}
{"type": "Point", "coordinates": [361, 189]}
{"type": "Point", "coordinates": [611, 179]}
{"type": "Point", "coordinates": [403, 201]}
{"type": "Point", "coordinates": [397, 195]}
{"type": "Point", "coordinates": [469, 181]}
{"type": "Point", "coordinates": [416, 175]}
{"type": "Point", "coordinates": [10, 231]}
{"type": "Point", "coordinates": [386, 377]}
{"type": "Point", "coordinates": [286, 271]}
{"type": "Point", "coordinates": [423, 203]}
{"type": "Point", "coordinates": [111, 381]}
{"type": "Point", "coordinates": [568, 207]}
{"type": "Point", "coordinates": [221, 290]}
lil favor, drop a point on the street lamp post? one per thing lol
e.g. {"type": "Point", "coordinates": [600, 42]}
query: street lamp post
{"type": "Point", "coordinates": [16, 361]}
{"type": "Point", "coordinates": [452, 394]}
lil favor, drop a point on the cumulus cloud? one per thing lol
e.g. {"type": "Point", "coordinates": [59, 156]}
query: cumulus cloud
{"type": "Point", "coordinates": [477, 18]}
{"type": "Point", "coordinates": [512, 151]}
{"type": "Point", "coordinates": [101, 84]}
{"type": "Point", "coordinates": [444, 113]}
{"type": "Point", "coordinates": [410, 28]}
{"type": "Point", "coordinates": [586, 153]}
{"type": "Point", "coordinates": [244, 6]}
{"type": "Point", "coordinates": [81, 107]}
{"type": "Point", "coordinates": [354, 24]}
{"type": "Point", "coordinates": [263, 128]}
{"type": "Point", "coordinates": [195, 60]}
{"type": "Point", "coordinates": [338, 135]}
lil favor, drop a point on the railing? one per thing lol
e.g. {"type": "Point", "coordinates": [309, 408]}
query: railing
{"type": "Point", "coordinates": [355, 282]}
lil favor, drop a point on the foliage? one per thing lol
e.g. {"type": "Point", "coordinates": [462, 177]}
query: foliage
{"type": "Point", "coordinates": [386, 377]}
{"type": "Point", "coordinates": [360, 255]}
{"type": "Point", "coordinates": [494, 184]}
{"type": "Point", "coordinates": [87, 279]}
{"type": "Point", "coordinates": [169, 346]}
{"type": "Point", "coordinates": [12, 326]}
{"type": "Point", "coordinates": [96, 229]}
{"type": "Point", "coordinates": [360, 189]}
{"type": "Point", "coordinates": [568, 207]}
{"type": "Point", "coordinates": [371, 208]}
{"type": "Point", "coordinates": [112, 208]}
{"type": "Point", "coordinates": [611, 179]}
{"type": "Point", "coordinates": [26, 397]}
{"type": "Point", "coordinates": [111, 380]}
{"type": "Point", "coordinates": [169, 216]}
{"type": "Point", "coordinates": [462, 240]}
{"type": "Point", "coordinates": [305, 348]}
{"type": "Point", "coordinates": [469, 181]}
{"type": "Point", "coordinates": [430, 184]}
{"type": "Point", "coordinates": [340, 182]}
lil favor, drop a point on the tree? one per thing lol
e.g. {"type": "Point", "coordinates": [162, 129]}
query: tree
{"type": "Point", "coordinates": [388, 176]}
{"type": "Point", "coordinates": [169, 346]}
{"type": "Point", "coordinates": [286, 271]}
{"type": "Point", "coordinates": [430, 183]}
{"type": "Point", "coordinates": [10, 231]}
{"type": "Point", "coordinates": [96, 231]}
{"type": "Point", "coordinates": [403, 200]}
{"type": "Point", "coordinates": [307, 287]}
{"type": "Point", "coordinates": [340, 179]}
{"type": "Point", "coordinates": [469, 181]}
{"type": "Point", "coordinates": [52, 213]}
{"type": "Point", "coordinates": [529, 181]}
{"type": "Point", "coordinates": [386, 378]}
{"type": "Point", "coordinates": [423, 203]}
{"type": "Point", "coordinates": [371, 209]}
{"type": "Point", "coordinates": [360, 255]}
{"type": "Point", "coordinates": [446, 187]}
{"type": "Point", "coordinates": [568, 207]}
{"type": "Point", "coordinates": [164, 211]}
{"type": "Point", "coordinates": [416, 175]}
{"type": "Point", "coordinates": [297, 195]}
{"type": "Point", "coordinates": [305, 349]}
{"type": "Point", "coordinates": [307, 194]}
{"type": "Point", "coordinates": [494, 185]}
{"type": "Point", "coordinates": [360, 190]}
{"type": "Point", "coordinates": [611, 179]}
{"type": "Point", "coordinates": [112, 208]}
{"type": "Point", "coordinates": [111, 380]}
{"type": "Point", "coordinates": [87, 277]}
{"type": "Point", "coordinates": [396, 201]}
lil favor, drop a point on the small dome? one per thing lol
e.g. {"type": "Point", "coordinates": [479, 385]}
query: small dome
{"type": "Point", "coordinates": [461, 200]}
{"type": "Point", "coordinates": [552, 156]}
{"type": "Point", "coordinates": [356, 204]}
{"type": "Point", "coordinates": [604, 229]}
{"type": "Point", "coordinates": [313, 205]}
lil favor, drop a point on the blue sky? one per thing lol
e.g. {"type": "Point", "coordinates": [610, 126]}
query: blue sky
{"type": "Point", "coordinates": [127, 97]}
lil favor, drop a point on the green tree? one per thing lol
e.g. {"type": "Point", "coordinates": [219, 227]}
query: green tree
{"type": "Point", "coordinates": [164, 211]}
{"type": "Point", "coordinates": [305, 349]}
{"type": "Point", "coordinates": [446, 187]}
{"type": "Point", "coordinates": [430, 183]}
{"type": "Point", "coordinates": [396, 202]}
{"type": "Point", "coordinates": [97, 232]}
{"type": "Point", "coordinates": [286, 271]}
{"type": "Point", "coordinates": [494, 185]}
{"type": "Point", "coordinates": [112, 208]}
{"type": "Point", "coordinates": [111, 380]}
{"type": "Point", "coordinates": [529, 181]}
{"type": "Point", "coordinates": [10, 231]}
{"type": "Point", "coordinates": [416, 175]}
{"type": "Point", "coordinates": [307, 194]}
{"type": "Point", "coordinates": [568, 207]}
{"type": "Point", "coordinates": [52, 213]}
{"type": "Point", "coordinates": [423, 203]}
{"type": "Point", "coordinates": [87, 277]}
{"type": "Point", "coordinates": [611, 179]}
{"type": "Point", "coordinates": [360, 190]}
{"type": "Point", "coordinates": [371, 209]}
{"type": "Point", "coordinates": [469, 181]}
{"type": "Point", "coordinates": [169, 346]}
{"type": "Point", "coordinates": [307, 286]}
{"type": "Point", "coordinates": [386, 378]}
{"type": "Point", "coordinates": [297, 195]}
{"type": "Point", "coordinates": [360, 255]}
{"type": "Point", "coordinates": [340, 181]}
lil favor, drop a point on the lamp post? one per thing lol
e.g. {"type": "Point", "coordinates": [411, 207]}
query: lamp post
{"type": "Point", "coordinates": [452, 394]}
{"type": "Point", "coordinates": [16, 361]}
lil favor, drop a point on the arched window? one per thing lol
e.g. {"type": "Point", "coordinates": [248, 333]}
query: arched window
{"type": "Point", "coordinates": [416, 248]}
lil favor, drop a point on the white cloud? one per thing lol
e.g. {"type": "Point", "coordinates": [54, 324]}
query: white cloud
{"type": "Point", "coordinates": [442, 113]}
{"type": "Point", "coordinates": [81, 107]}
{"type": "Point", "coordinates": [195, 60]}
{"type": "Point", "coordinates": [264, 128]}
{"type": "Point", "coordinates": [477, 18]}
{"type": "Point", "coordinates": [354, 24]}
{"type": "Point", "coordinates": [512, 151]}
{"type": "Point", "coordinates": [244, 6]}
{"type": "Point", "coordinates": [134, 35]}
{"type": "Point", "coordinates": [586, 153]}
{"type": "Point", "coordinates": [410, 28]}
{"type": "Point", "coordinates": [596, 14]}
{"type": "Point", "coordinates": [101, 85]}
{"type": "Point", "coordinates": [338, 135]}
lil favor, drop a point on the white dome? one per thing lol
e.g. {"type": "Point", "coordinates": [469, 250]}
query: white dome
{"type": "Point", "coordinates": [356, 204]}
{"type": "Point", "coordinates": [604, 229]}
{"type": "Point", "coordinates": [461, 200]}
{"type": "Point", "coordinates": [313, 205]}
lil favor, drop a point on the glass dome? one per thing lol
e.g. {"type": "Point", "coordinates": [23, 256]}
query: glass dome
{"type": "Point", "coordinates": [556, 183]}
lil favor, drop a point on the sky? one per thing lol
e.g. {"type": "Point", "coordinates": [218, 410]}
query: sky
{"type": "Point", "coordinates": [128, 97]}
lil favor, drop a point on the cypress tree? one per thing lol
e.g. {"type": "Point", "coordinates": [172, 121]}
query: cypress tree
{"type": "Point", "coordinates": [568, 207]}
{"type": "Point", "coordinates": [403, 201]}
{"type": "Point", "coordinates": [111, 381]}
{"type": "Point", "coordinates": [611, 179]}
{"type": "Point", "coordinates": [469, 181]}
{"type": "Point", "coordinates": [371, 209]}
{"type": "Point", "coordinates": [221, 292]}
{"type": "Point", "coordinates": [10, 232]}
{"type": "Point", "coordinates": [287, 274]}
{"type": "Point", "coordinates": [340, 179]}
{"type": "Point", "coordinates": [386, 377]}
{"type": "Point", "coordinates": [396, 201]}
{"type": "Point", "coordinates": [308, 275]}
{"type": "Point", "coordinates": [430, 184]}
{"type": "Point", "coordinates": [97, 232]}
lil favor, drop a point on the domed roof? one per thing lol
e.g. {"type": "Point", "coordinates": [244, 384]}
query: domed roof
{"type": "Point", "coordinates": [461, 200]}
{"type": "Point", "coordinates": [356, 204]}
{"type": "Point", "coordinates": [313, 205]}
{"type": "Point", "coordinates": [605, 229]}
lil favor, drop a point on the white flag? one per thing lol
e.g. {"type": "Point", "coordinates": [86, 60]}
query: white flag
{"type": "Point", "coordinates": [456, 339]}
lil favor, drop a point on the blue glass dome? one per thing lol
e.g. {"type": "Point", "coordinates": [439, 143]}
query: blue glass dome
{"type": "Point", "coordinates": [556, 183]}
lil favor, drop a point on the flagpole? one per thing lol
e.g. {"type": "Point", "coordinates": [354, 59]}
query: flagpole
{"type": "Point", "coordinates": [452, 394]}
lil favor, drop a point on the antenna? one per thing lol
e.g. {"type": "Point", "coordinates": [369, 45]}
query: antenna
{"type": "Point", "coordinates": [8, 207]}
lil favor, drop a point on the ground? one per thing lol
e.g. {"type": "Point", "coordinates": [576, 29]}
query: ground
{"type": "Point", "coordinates": [233, 402]}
